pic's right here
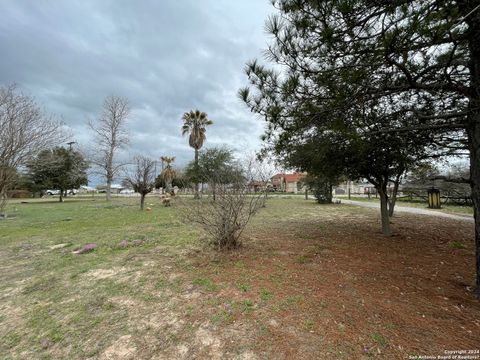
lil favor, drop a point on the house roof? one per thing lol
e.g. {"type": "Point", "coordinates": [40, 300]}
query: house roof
{"type": "Point", "coordinates": [295, 177]}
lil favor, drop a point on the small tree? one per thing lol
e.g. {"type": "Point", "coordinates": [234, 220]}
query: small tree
{"type": "Point", "coordinates": [215, 166]}
{"type": "Point", "coordinates": [142, 177]}
{"type": "Point", "coordinates": [224, 219]}
{"type": "Point", "coordinates": [110, 136]}
{"type": "Point", "coordinates": [168, 173]}
{"type": "Point", "coordinates": [258, 169]}
{"type": "Point", "coordinates": [59, 169]}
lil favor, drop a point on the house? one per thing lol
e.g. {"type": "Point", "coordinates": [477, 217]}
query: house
{"type": "Point", "coordinates": [291, 183]}
{"type": "Point", "coordinates": [361, 187]}
{"type": "Point", "coordinates": [354, 188]}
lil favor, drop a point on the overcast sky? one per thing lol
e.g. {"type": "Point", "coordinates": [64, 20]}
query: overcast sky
{"type": "Point", "coordinates": [166, 57]}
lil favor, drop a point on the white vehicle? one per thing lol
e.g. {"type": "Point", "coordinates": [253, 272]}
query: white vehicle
{"type": "Point", "coordinates": [52, 192]}
{"type": "Point", "coordinates": [127, 191]}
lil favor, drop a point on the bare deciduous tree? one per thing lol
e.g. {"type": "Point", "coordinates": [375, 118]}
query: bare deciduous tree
{"type": "Point", "coordinates": [258, 171]}
{"type": "Point", "coordinates": [24, 131]}
{"type": "Point", "coordinates": [110, 136]}
{"type": "Point", "coordinates": [142, 177]}
{"type": "Point", "coordinates": [224, 219]}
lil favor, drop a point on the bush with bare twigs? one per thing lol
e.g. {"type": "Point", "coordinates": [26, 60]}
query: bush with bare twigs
{"type": "Point", "coordinates": [224, 218]}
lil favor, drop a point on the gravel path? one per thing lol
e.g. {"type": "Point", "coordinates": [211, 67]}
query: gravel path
{"type": "Point", "coordinates": [411, 210]}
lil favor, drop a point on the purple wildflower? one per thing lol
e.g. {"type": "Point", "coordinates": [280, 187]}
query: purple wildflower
{"type": "Point", "coordinates": [85, 248]}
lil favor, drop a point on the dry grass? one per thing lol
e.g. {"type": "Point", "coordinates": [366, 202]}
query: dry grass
{"type": "Point", "coordinates": [312, 281]}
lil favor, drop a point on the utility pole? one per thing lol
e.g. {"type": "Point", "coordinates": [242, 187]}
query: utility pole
{"type": "Point", "coordinates": [69, 161]}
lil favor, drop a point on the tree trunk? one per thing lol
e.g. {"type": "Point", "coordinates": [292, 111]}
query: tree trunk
{"type": "Point", "coordinates": [382, 190]}
{"type": "Point", "coordinates": [142, 201]}
{"type": "Point", "coordinates": [393, 199]}
{"type": "Point", "coordinates": [3, 202]}
{"type": "Point", "coordinates": [474, 142]}
{"type": "Point", "coordinates": [168, 187]}
{"type": "Point", "coordinates": [108, 190]}
{"type": "Point", "coordinates": [61, 196]}
{"type": "Point", "coordinates": [213, 191]}
{"type": "Point", "coordinates": [473, 129]}
{"type": "Point", "coordinates": [6, 180]}
{"type": "Point", "coordinates": [196, 196]}
{"type": "Point", "coordinates": [329, 194]}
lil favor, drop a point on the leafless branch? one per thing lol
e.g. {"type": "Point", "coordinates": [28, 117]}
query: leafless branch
{"type": "Point", "coordinates": [225, 218]}
{"type": "Point", "coordinates": [24, 131]}
{"type": "Point", "coordinates": [110, 136]}
{"type": "Point", "coordinates": [142, 177]}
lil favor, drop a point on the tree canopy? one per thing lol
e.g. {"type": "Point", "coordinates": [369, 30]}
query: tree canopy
{"type": "Point", "coordinates": [215, 166]}
{"type": "Point", "coordinates": [59, 169]}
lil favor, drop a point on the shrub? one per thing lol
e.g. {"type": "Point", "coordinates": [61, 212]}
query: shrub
{"type": "Point", "coordinates": [19, 194]}
{"type": "Point", "coordinates": [321, 187]}
{"type": "Point", "coordinates": [225, 217]}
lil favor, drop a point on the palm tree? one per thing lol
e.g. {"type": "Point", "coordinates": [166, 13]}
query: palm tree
{"type": "Point", "coordinates": [168, 173]}
{"type": "Point", "coordinates": [195, 123]}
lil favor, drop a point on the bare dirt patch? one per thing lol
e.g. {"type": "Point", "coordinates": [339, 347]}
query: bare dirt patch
{"type": "Point", "coordinates": [122, 348]}
{"type": "Point", "coordinates": [336, 288]}
{"type": "Point", "coordinates": [100, 274]}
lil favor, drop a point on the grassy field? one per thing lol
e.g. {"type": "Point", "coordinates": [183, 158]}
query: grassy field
{"type": "Point", "coordinates": [311, 281]}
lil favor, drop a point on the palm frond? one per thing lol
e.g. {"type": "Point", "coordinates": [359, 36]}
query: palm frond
{"type": "Point", "coordinates": [195, 123]}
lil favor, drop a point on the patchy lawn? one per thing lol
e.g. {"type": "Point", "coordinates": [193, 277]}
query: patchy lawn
{"type": "Point", "coordinates": [312, 282]}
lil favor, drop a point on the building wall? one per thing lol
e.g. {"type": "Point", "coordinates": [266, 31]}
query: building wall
{"type": "Point", "coordinates": [291, 187]}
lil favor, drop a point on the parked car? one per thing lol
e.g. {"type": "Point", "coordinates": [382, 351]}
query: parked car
{"type": "Point", "coordinates": [127, 191]}
{"type": "Point", "coordinates": [52, 192]}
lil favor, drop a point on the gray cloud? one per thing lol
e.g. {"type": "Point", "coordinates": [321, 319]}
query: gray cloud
{"type": "Point", "coordinates": [166, 56]}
